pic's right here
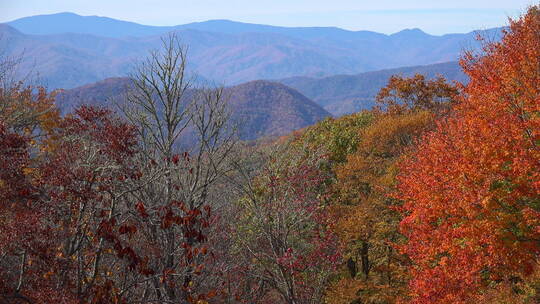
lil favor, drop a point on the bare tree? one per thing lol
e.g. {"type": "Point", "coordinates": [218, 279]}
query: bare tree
{"type": "Point", "coordinates": [8, 67]}
{"type": "Point", "coordinates": [187, 142]}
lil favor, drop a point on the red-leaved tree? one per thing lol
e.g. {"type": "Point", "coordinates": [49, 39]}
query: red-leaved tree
{"type": "Point", "coordinates": [55, 205]}
{"type": "Point", "coordinates": [472, 191]}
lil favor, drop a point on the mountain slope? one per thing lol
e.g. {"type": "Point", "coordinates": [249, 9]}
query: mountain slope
{"type": "Point", "coordinates": [343, 94]}
{"type": "Point", "coordinates": [69, 60]}
{"type": "Point", "coordinates": [268, 108]}
{"type": "Point", "coordinates": [262, 108]}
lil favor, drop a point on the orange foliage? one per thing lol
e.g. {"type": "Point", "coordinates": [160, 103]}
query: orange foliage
{"type": "Point", "coordinates": [402, 94]}
{"type": "Point", "coordinates": [472, 192]}
{"type": "Point", "coordinates": [27, 109]}
{"type": "Point", "coordinates": [365, 222]}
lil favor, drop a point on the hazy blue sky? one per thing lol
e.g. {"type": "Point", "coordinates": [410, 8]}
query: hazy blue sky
{"type": "Point", "coordinates": [387, 16]}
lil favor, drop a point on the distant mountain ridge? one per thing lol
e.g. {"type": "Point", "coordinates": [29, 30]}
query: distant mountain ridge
{"type": "Point", "coordinates": [62, 23]}
{"type": "Point", "coordinates": [261, 108]}
{"type": "Point", "coordinates": [221, 51]}
{"type": "Point", "coordinates": [66, 22]}
{"type": "Point", "coordinates": [344, 94]}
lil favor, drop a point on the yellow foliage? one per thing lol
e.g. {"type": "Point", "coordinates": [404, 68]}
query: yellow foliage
{"type": "Point", "coordinates": [28, 110]}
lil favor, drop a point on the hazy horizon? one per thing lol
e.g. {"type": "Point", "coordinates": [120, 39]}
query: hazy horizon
{"type": "Point", "coordinates": [384, 16]}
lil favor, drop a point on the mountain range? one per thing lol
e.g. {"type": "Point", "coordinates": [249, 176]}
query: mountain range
{"type": "Point", "coordinates": [311, 72]}
{"type": "Point", "coordinates": [68, 50]}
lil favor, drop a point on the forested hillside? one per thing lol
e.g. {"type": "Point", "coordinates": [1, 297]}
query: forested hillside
{"type": "Point", "coordinates": [432, 196]}
{"type": "Point", "coordinates": [258, 108]}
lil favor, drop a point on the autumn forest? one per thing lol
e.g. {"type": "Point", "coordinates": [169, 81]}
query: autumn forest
{"type": "Point", "coordinates": [432, 196]}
